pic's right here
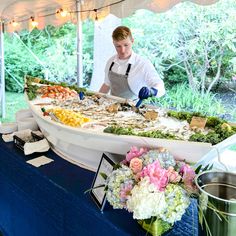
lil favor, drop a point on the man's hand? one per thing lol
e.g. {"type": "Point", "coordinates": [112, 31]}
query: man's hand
{"type": "Point", "coordinates": [145, 93]}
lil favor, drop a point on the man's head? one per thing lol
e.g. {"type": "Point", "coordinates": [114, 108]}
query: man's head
{"type": "Point", "coordinates": [123, 40]}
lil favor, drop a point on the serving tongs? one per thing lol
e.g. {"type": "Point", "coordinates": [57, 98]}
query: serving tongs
{"type": "Point", "coordinates": [54, 117]}
{"type": "Point", "coordinates": [51, 115]}
{"type": "Point", "coordinates": [138, 110]}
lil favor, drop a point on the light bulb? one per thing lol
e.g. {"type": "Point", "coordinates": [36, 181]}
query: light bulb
{"type": "Point", "coordinates": [33, 22]}
{"type": "Point", "coordinates": [14, 23]}
{"type": "Point", "coordinates": [62, 12]}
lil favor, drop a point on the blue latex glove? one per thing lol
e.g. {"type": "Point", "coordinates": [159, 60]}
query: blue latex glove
{"type": "Point", "coordinates": [81, 95]}
{"type": "Point", "coordinates": [145, 93]}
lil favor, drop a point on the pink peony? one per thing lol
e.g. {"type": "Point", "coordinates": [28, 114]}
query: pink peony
{"type": "Point", "coordinates": [157, 175]}
{"type": "Point", "coordinates": [136, 165]}
{"type": "Point", "coordinates": [135, 152]}
{"type": "Point", "coordinates": [173, 175]}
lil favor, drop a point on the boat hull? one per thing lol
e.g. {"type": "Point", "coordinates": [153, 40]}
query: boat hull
{"type": "Point", "coordinates": [85, 147]}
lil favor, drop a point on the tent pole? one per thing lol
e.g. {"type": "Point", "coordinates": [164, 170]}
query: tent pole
{"type": "Point", "coordinates": [79, 46]}
{"type": "Point", "coordinates": [2, 90]}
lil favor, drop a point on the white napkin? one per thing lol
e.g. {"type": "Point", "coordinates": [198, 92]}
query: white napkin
{"type": "Point", "coordinates": [39, 146]}
{"type": "Point", "coordinates": [21, 134]}
{"type": "Point", "coordinates": [39, 161]}
{"type": "Point", "coordinates": [29, 148]}
{"type": "Point", "coordinates": [7, 137]}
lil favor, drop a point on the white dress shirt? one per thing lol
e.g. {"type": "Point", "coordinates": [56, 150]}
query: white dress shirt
{"type": "Point", "coordinates": [142, 73]}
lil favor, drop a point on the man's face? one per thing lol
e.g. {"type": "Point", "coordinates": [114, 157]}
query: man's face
{"type": "Point", "coordinates": [124, 48]}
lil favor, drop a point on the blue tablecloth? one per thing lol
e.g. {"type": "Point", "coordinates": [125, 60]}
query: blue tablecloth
{"type": "Point", "coordinates": [50, 200]}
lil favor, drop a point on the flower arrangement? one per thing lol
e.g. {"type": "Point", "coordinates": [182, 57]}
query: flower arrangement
{"type": "Point", "coordinates": [152, 185]}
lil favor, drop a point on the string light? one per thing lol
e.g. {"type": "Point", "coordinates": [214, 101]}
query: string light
{"type": "Point", "coordinates": [63, 13]}
{"type": "Point", "coordinates": [14, 23]}
{"type": "Point", "coordinates": [96, 14]}
{"type": "Point", "coordinates": [33, 22]}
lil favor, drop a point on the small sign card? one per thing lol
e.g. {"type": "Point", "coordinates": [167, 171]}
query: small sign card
{"type": "Point", "coordinates": [99, 194]}
{"type": "Point", "coordinates": [198, 122]}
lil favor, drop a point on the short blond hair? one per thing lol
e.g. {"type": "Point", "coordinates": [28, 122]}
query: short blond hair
{"type": "Point", "coordinates": [121, 33]}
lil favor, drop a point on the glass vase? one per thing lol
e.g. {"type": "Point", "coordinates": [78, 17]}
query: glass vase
{"type": "Point", "coordinates": [155, 226]}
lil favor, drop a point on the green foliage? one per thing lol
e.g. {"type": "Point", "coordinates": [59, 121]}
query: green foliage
{"type": "Point", "coordinates": [198, 40]}
{"type": "Point", "coordinates": [181, 97]}
{"type": "Point", "coordinates": [220, 130]}
{"type": "Point", "coordinates": [214, 121]}
{"type": "Point", "coordinates": [17, 63]}
{"type": "Point", "coordinates": [14, 102]}
{"type": "Point", "coordinates": [175, 75]}
{"type": "Point", "coordinates": [119, 130]}
{"type": "Point", "coordinates": [55, 48]}
{"type": "Point", "coordinates": [183, 115]}
{"type": "Point", "coordinates": [32, 91]}
{"type": "Point", "coordinates": [202, 168]}
{"type": "Point", "coordinates": [214, 136]}
{"type": "Point", "coordinates": [188, 44]}
{"type": "Point", "coordinates": [115, 129]}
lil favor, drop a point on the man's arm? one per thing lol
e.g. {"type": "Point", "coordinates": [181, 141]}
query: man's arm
{"type": "Point", "coordinates": [104, 88]}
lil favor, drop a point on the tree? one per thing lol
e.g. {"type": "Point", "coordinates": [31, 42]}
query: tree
{"type": "Point", "coordinates": [200, 40]}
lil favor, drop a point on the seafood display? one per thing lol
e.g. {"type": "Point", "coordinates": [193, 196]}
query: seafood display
{"type": "Point", "coordinates": [107, 112]}
{"type": "Point", "coordinates": [103, 123]}
{"type": "Point", "coordinates": [57, 92]}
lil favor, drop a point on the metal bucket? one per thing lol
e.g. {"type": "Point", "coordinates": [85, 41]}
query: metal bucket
{"type": "Point", "coordinates": [218, 195]}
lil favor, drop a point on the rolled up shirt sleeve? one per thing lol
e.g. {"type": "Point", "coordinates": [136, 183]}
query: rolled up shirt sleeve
{"type": "Point", "coordinates": [144, 74]}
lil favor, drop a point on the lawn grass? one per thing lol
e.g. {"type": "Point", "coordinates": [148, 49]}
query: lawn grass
{"type": "Point", "coordinates": [14, 103]}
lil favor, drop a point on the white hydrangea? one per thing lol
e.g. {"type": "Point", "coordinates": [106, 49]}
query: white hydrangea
{"type": "Point", "coordinates": [145, 200]}
{"type": "Point", "coordinates": [123, 175]}
{"type": "Point", "coordinates": [177, 201]}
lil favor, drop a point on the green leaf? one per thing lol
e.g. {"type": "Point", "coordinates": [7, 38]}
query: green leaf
{"type": "Point", "coordinates": [90, 189]}
{"type": "Point", "coordinates": [198, 169]}
{"type": "Point", "coordinates": [104, 176]}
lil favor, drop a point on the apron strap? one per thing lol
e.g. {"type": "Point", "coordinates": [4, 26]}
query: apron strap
{"type": "Point", "coordinates": [128, 69]}
{"type": "Point", "coordinates": [111, 66]}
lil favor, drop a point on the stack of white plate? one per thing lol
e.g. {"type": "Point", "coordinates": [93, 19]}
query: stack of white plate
{"type": "Point", "coordinates": [7, 128]}
{"type": "Point", "coordinates": [25, 120]}
{"type": "Point", "coordinates": [24, 113]}
{"type": "Point", "coordinates": [27, 123]}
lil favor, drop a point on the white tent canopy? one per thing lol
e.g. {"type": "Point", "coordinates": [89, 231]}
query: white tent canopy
{"type": "Point", "coordinates": [21, 13]}
{"type": "Point", "coordinates": [44, 11]}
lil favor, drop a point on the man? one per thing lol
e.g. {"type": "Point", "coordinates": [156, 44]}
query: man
{"type": "Point", "coordinates": [127, 74]}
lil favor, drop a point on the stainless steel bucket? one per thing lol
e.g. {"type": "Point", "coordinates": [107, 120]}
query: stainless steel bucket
{"type": "Point", "coordinates": [218, 195]}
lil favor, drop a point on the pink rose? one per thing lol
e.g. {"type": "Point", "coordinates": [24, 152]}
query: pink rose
{"type": "Point", "coordinates": [173, 175]}
{"type": "Point", "coordinates": [136, 165]}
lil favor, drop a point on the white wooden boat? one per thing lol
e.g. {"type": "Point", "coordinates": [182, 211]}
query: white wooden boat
{"type": "Point", "coordinates": [85, 147]}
